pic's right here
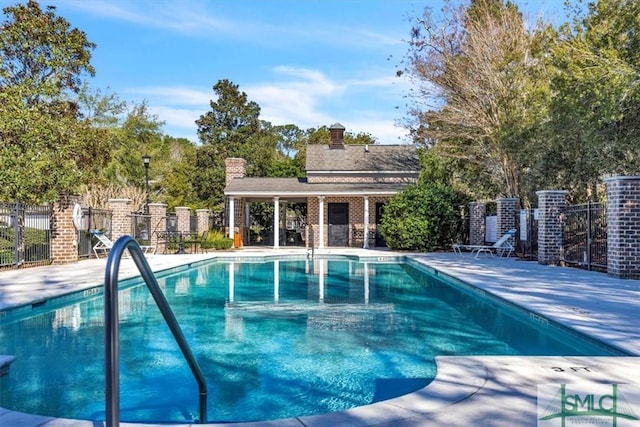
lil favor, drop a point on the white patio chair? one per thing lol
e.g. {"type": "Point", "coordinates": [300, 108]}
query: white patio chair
{"type": "Point", "coordinates": [502, 247]}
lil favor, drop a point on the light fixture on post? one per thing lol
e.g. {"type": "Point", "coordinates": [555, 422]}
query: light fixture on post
{"type": "Point", "coordinates": [146, 159]}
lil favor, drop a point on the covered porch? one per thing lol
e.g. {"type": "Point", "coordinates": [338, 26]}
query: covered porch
{"type": "Point", "coordinates": [337, 215]}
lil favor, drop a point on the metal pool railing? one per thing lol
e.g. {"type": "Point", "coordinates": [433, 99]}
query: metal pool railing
{"type": "Point", "coordinates": [111, 320]}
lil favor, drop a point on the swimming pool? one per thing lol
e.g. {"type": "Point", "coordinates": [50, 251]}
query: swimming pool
{"type": "Point", "coordinates": [271, 337]}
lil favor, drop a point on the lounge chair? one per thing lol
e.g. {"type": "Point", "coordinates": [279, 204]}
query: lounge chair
{"type": "Point", "coordinates": [502, 247]}
{"type": "Point", "coordinates": [105, 244]}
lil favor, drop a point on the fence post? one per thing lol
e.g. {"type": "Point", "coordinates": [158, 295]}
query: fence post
{"type": "Point", "coordinates": [158, 213]}
{"type": "Point", "coordinates": [64, 236]}
{"type": "Point", "coordinates": [203, 220]}
{"type": "Point", "coordinates": [507, 210]}
{"type": "Point", "coordinates": [183, 218]}
{"type": "Point", "coordinates": [623, 226]}
{"type": "Point", "coordinates": [477, 213]}
{"type": "Point", "coordinates": [121, 219]}
{"type": "Point", "coordinates": [550, 205]}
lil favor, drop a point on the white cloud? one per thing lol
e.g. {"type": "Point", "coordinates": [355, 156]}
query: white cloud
{"type": "Point", "coordinates": [305, 97]}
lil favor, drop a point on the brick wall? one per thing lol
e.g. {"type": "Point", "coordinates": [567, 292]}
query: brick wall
{"type": "Point", "coordinates": [356, 215]}
{"type": "Point", "coordinates": [623, 227]}
{"type": "Point", "coordinates": [64, 236]}
{"type": "Point", "coordinates": [234, 168]}
{"type": "Point", "coordinates": [120, 217]}
{"type": "Point", "coordinates": [366, 179]}
{"type": "Point", "coordinates": [158, 212]}
{"type": "Point", "coordinates": [550, 205]}
{"type": "Point", "coordinates": [507, 210]}
{"type": "Point", "coordinates": [477, 213]}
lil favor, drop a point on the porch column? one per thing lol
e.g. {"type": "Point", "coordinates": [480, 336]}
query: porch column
{"type": "Point", "coordinates": [321, 222]}
{"type": "Point", "coordinates": [232, 217]}
{"type": "Point", "coordinates": [366, 223]}
{"type": "Point", "coordinates": [247, 223]}
{"type": "Point", "coordinates": [276, 222]}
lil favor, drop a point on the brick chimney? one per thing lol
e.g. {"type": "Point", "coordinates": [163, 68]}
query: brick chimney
{"type": "Point", "coordinates": [337, 136]}
{"type": "Point", "coordinates": [234, 167]}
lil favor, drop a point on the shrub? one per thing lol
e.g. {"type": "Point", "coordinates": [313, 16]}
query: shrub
{"type": "Point", "coordinates": [422, 218]}
{"type": "Point", "coordinates": [217, 240]}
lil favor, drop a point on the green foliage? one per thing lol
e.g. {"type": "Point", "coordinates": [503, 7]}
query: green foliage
{"type": "Point", "coordinates": [217, 240]}
{"type": "Point", "coordinates": [422, 218]}
{"type": "Point", "coordinates": [47, 148]}
{"type": "Point", "coordinates": [484, 87]}
{"type": "Point", "coordinates": [231, 129]}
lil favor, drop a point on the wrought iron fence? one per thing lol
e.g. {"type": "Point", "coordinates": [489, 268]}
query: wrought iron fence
{"type": "Point", "coordinates": [92, 219]}
{"type": "Point", "coordinates": [527, 236]}
{"type": "Point", "coordinates": [584, 236]}
{"type": "Point", "coordinates": [25, 234]}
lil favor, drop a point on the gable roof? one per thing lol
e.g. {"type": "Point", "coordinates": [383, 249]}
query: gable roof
{"type": "Point", "coordinates": [362, 158]}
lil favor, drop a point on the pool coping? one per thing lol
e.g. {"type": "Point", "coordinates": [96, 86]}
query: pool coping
{"type": "Point", "coordinates": [460, 381]}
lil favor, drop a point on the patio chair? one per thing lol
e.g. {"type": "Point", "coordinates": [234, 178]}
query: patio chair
{"type": "Point", "coordinates": [502, 247]}
{"type": "Point", "coordinates": [105, 244]}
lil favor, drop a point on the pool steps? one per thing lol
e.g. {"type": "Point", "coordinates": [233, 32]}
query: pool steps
{"type": "Point", "coordinates": [5, 362]}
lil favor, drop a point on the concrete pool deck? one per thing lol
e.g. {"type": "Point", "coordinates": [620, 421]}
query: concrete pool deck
{"type": "Point", "coordinates": [468, 391]}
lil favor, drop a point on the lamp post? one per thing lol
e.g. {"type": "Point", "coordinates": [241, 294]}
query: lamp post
{"type": "Point", "coordinates": [146, 159]}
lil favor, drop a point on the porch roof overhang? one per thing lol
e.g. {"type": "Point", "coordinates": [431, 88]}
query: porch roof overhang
{"type": "Point", "coordinates": [299, 188]}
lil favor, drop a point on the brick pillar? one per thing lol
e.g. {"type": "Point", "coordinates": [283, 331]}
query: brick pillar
{"type": "Point", "coordinates": [234, 168]}
{"type": "Point", "coordinates": [158, 213]}
{"type": "Point", "coordinates": [477, 213]}
{"type": "Point", "coordinates": [507, 213]}
{"type": "Point", "coordinates": [623, 226]}
{"type": "Point", "coordinates": [64, 236]}
{"type": "Point", "coordinates": [550, 205]}
{"type": "Point", "coordinates": [121, 217]}
{"type": "Point", "coordinates": [183, 219]}
{"type": "Point", "coordinates": [203, 220]}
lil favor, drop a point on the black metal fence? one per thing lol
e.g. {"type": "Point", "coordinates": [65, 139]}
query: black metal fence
{"type": "Point", "coordinates": [527, 236]}
{"type": "Point", "coordinates": [92, 219]}
{"type": "Point", "coordinates": [584, 238]}
{"type": "Point", "coordinates": [25, 234]}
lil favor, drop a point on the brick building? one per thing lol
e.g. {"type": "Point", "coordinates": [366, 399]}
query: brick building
{"type": "Point", "coordinates": [345, 190]}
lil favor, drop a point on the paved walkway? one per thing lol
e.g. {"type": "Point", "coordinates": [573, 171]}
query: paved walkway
{"type": "Point", "coordinates": [468, 391]}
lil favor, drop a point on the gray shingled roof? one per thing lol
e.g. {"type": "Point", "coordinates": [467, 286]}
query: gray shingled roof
{"type": "Point", "coordinates": [298, 187]}
{"type": "Point", "coordinates": [396, 158]}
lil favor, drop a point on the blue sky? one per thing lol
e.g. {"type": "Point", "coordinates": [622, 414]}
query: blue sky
{"type": "Point", "coordinates": [306, 62]}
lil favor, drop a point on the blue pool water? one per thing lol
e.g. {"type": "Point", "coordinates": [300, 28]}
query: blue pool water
{"type": "Point", "coordinates": [275, 339]}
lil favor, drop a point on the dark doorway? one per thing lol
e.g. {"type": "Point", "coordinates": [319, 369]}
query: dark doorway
{"type": "Point", "coordinates": [380, 243]}
{"type": "Point", "coordinates": [338, 224]}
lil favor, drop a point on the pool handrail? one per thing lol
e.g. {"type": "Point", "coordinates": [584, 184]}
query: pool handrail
{"type": "Point", "coordinates": [111, 320]}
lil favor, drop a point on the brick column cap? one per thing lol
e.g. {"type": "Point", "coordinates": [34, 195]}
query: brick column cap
{"type": "Point", "coordinates": [183, 207]}
{"type": "Point", "coordinates": [158, 204]}
{"type": "Point", "coordinates": [562, 192]}
{"type": "Point", "coordinates": [622, 178]}
{"type": "Point", "coordinates": [120, 200]}
{"type": "Point", "coordinates": [507, 199]}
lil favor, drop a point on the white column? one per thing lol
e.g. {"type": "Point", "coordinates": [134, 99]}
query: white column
{"type": "Point", "coordinates": [232, 281]}
{"type": "Point", "coordinates": [276, 222]}
{"type": "Point", "coordinates": [366, 223]}
{"type": "Point", "coordinates": [232, 217]}
{"type": "Point", "coordinates": [366, 283]}
{"type": "Point", "coordinates": [321, 267]}
{"type": "Point", "coordinates": [276, 281]}
{"type": "Point", "coordinates": [321, 222]}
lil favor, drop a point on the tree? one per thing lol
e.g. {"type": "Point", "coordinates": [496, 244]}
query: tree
{"type": "Point", "coordinates": [231, 129]}
{"type": "Point", "coordinates": [481, 89]}
{"type": "Point", "coordinates": [47, 148]}
{"type": "Point", "coordinates": [593, 125]}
